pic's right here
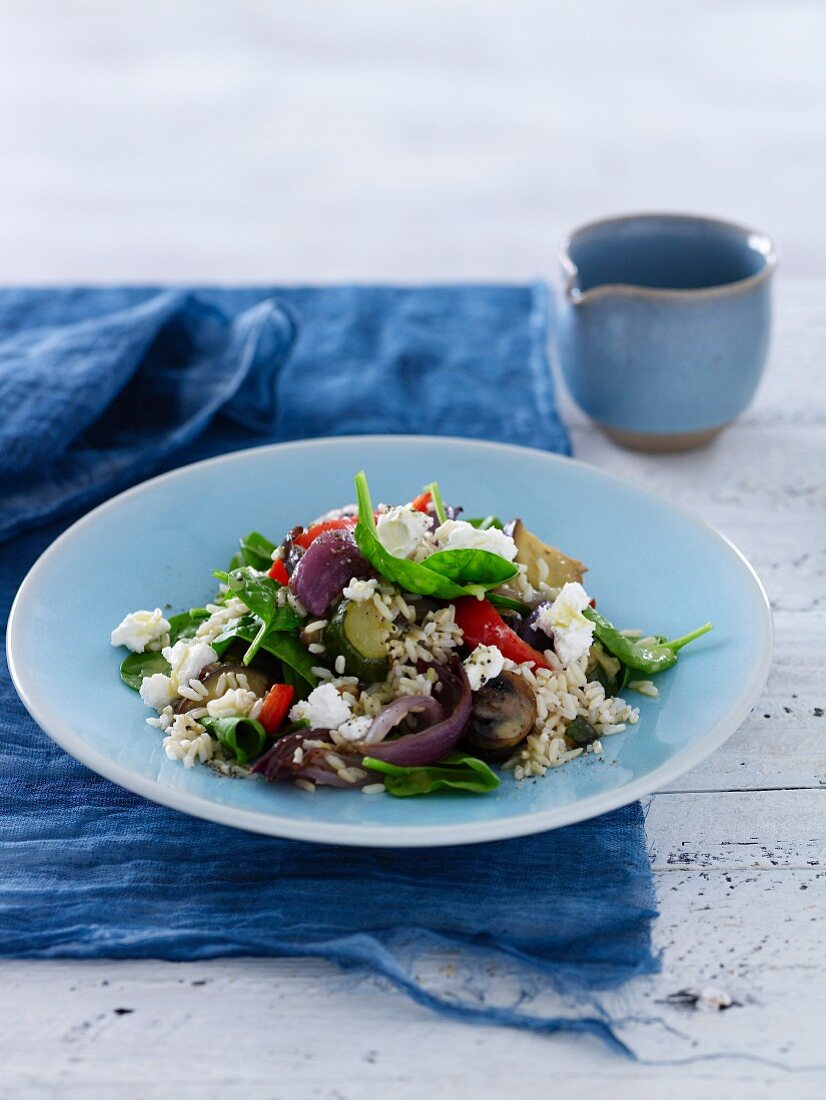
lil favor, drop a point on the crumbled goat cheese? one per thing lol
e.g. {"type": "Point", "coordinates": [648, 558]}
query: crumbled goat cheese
{"type": "Point", "coordinates": [401, 531]}
{"type": "Point", "coordinates": [485, 663]}
{"type": "Point", "coordinates": [188, 658]}
{"type": "Point", "coordinates": [323, 708]}
{"type": "Point", "coordinates": [455, 534]}
{"type": "Point", "coordinates": [355, 729]}
{"type": "Point", "coordinates": [157, 691]}
{"type": "Point", "coordinates": [141, 630]}
{"type": "Point", "coordinates": [563, 621]}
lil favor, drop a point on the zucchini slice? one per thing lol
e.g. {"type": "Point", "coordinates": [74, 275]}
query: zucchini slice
{"type": "Point", "coordinates": [358, 632]}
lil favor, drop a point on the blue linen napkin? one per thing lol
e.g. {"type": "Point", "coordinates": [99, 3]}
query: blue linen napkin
{"type": "Point", "coordinates": [101, 387]}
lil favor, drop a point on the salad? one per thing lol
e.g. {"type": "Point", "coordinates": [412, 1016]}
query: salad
{"type": "Point", "coordinates": [401, 649]}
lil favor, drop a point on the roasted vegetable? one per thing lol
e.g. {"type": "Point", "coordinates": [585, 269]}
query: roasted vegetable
{"type": "Point", "coordinates": [581, 732]}
{"type": "Point", "coordinates": [210, 677]}
{"type": "Point", "coordinates": [558, 568]}
{"type": "Point", "coordinates": [504, 712]}
{"type": "Point", "coordinates": [604, 669]}
{"type": "Point", "coordinates": [358, 632]}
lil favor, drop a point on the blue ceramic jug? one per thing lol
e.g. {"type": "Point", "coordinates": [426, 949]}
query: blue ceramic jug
{"type": "Point", "coordinates": [663, 325]}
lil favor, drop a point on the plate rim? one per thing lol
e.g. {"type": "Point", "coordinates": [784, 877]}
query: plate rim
{"type": "Point", "coordinates": [391, 836]}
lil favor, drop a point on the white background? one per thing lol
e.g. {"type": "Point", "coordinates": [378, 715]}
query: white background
{"type": "Point", "coordinates": [402, 140]}
{"type": "Point", "coordinates": [412, 139]}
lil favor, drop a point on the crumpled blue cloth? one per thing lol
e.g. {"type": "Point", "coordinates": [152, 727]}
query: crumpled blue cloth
{"type": "Point", "coordinates": [101, 387]}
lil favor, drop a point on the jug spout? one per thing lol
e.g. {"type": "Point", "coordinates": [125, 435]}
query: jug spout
{"type": "Point", "coordinates": [662, 255]}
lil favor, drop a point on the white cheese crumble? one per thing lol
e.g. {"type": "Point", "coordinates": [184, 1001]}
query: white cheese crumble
{"type": "Point", "coordinates": [355, 729]}
{"type": "Point", "coordinates": [188, 658]}
{"type": "Point", "coordinates": [323, 708]}
{"type": "Point", "coordinates": [141, 630]}
{"type": "Point", "coordinates": [157, 691]}
{"type": "Point", "coordinates": [402, 531]}
{"type": "Point", "coordinates": [484, 663]}
{"type": "Point", "coordinates": [456, 534]}
{"type": "Point", "coordinates": [563, 621]}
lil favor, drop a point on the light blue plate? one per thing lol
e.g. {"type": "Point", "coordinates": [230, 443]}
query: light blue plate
{"type": "Point", "coordinates": [156, 545]}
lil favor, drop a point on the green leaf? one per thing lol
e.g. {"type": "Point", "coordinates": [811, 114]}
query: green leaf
{"type": "Point", "coordinates": [243, 737]}
{"type": "Point", "coordinates": [292, 654]}
{"type": "Point", "coordinates": [456, 771]}
{"type": "Point", "coordinates": [186, 624]}
{"type": "Point", "coordinates": [506, 601]}
{"type": "Point", "coordinates": [260, 594]}
{"type": "Point", "coordinates": [649, 658]}
{"type": "Point", "coordinates": [280, 643]}
{"type": "Point", "coordinates": [137, 666]}
{"type": "Point", "coordinates": [419, 577]}
{"type": "Point", "coordinates": [472, 566]}
{"type": "Point", "coordinates": [255, 551]}
{"type": "Point", "coordinates": [410, 575]}
{"type": "Point", "coordinates": [300, 685]}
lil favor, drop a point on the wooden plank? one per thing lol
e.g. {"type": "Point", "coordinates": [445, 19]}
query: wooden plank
{"type": "Point", "coordinates": [738, 830]}
{"type": "Point", "coordinates": [297, 1028]}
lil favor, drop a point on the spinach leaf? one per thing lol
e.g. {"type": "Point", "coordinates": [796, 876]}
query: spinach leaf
{"type": "Point", "coordinates": [410, 575]}
{"type": "Point", "coordinates": [472, 566]}
{"type": "Point", "coordinates": [506, 601]}
{"type": "Point", "coordinates": [485, 523]}
{"type": "Point", "coordinates": [293, 655]}
{"type": "Point", "coordinates": [279, 642]}
{"type": "Point", "coordinates": [255, 550]}
{"type": "Point", "coordinates": [260, 594]}
{"type": "Point", "coordinates": [442, 579]}
{"type": "Point", "coordinates": [301, 686]}
{"type": "Point", "coordinates": [244, 737]}
{"type": "Point", "coordinates": [456, 771]}
{"type": "Point", "coordinates": [650, 657]}
{"type": "Point", "coordinates": [186, 624]}
{"type": "Point", "coordinates": [137, 666]}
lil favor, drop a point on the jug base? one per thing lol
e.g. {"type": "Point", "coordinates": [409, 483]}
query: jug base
{"type": "Point", "coordinates": [661, 442]}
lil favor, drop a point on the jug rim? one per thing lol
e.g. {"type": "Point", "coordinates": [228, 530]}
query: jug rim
{"type": "Point", "coordinates": [756, 239]}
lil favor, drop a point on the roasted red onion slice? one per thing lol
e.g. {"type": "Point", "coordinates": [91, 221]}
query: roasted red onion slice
{"type": "Point", "coordinates": [428, 711]}
{"type": "Point", "coordinates": [431, 744]}
{"type": "Point", "coordinates": [323, 571]}
{"type": "Point", "coordinates": [279, 761]}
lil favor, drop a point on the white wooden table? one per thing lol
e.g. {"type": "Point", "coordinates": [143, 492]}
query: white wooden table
{"type": "Point", "coordinates": [738, 849]}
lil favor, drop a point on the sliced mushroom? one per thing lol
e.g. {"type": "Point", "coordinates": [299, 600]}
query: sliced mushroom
{"type": "Point", "coordinates": [555, 569]}
{"type": "Point", "coordinates": [504, 712]}
{"type": "Point", "coordinates": [210, 677]}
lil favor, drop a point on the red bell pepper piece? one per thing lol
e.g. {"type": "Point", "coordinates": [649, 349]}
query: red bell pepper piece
{"type": "Point", "coordinates": [422, 501]}
{"type": "Point", "coordinates": [481, 624]}
{"type": "Point", "coordinates": [312, 533]}
{"type": "Point", "coordinates": [277, 703]}
{"type": "Point", "coordinates": [278, 572]}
